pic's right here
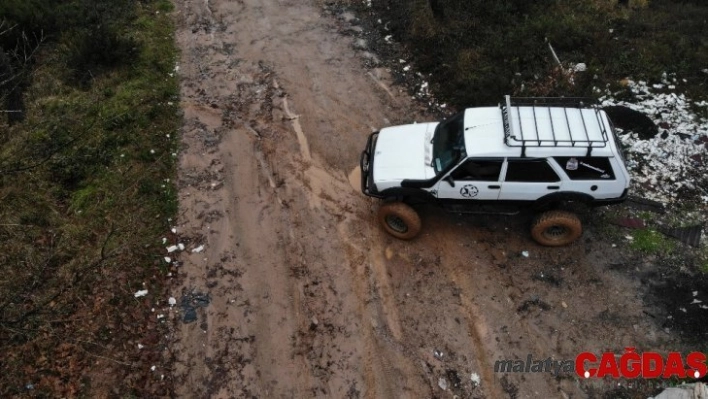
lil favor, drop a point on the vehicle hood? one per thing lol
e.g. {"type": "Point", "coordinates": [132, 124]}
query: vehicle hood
{"type": "Point", "coordinates": [403, 152]}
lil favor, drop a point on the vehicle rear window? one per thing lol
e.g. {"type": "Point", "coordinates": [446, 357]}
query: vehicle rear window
{"type": "Point", "coordinates": [586, 168]}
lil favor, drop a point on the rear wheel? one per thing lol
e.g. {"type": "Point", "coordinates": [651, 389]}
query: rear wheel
{"type": "Point", "coordinates": [556, 228]}
{"type": "Point", "coordinates": [399, 220]}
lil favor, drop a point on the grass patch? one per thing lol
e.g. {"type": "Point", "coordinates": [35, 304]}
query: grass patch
{"type": "Point", "coordinates": [85, 196]}
{"type": "Point", "coordinates": [650, 241]}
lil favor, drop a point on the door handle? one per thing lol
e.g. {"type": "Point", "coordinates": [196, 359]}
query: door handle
{"type": "Point", "coordinates": [496, 187]}
{"type": "Point", "coordinates": [553, 187]}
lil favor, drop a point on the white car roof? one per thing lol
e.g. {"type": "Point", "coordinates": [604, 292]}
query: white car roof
{"type": "Point", "coordinates": [537, 131]}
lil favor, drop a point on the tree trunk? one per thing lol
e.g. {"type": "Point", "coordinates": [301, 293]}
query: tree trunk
{"type": "Point", "coordinates": [437, 8]}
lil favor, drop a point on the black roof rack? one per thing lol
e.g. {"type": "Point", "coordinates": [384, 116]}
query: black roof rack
{"type": "Point", "coordinates": [557, 122]}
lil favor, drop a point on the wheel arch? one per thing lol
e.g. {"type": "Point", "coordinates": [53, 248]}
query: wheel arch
{"type": "Point", "coordinates": [552, 201]}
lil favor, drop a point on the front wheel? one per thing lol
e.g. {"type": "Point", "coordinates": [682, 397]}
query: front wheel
{"type": "Point", "coordinates": [556, 228]}
{"type": "Point", "coordinates": [399, 220]}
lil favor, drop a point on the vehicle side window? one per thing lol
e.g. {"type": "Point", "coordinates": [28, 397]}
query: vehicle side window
{"type": "Point", "coordinates": [534, 170]}
{"type": "Point", "coordinates": [478, 169]}
{"type": "Point", "coordinates": [586, 168]}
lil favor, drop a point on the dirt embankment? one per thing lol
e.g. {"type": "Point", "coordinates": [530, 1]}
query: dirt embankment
{"type": "Point", "coordinates": [297, 292]}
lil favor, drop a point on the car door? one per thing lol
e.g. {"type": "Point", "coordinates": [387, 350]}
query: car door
{"type": "Point", "coordinates": [473, 179]}
{"type": "Point", "coordinates": [528, 179]}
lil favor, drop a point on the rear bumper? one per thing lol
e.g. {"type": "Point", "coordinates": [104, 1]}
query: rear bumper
{"type": "Point", "coordinates": [366, 164]}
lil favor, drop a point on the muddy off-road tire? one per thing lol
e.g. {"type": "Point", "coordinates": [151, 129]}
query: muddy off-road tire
{"type": "Point", "coordinates": [556, 228]}
{"type": "Point", "coordinates": [399, 220]}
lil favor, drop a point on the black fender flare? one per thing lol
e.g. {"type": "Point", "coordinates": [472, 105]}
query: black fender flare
{"type": "Point", "coordinates": [406, 194]}
{"type": "Point", "coordinates": [548, 201]}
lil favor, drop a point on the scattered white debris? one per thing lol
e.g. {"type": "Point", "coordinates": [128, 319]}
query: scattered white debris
{"type": "Point", "coordinates": [695, 301]}
{"type": "Point", "coordinates": [174, 230]}
{"type": "Point", "coordinates": [180, 246]}
{"type": "Point", "coordinates": [160, 316]}
{"type": "Point", "coordinates": [424, 90]}
{"type": "Point", "coordinates": [695, 293]}
{"type": "Point", "coordinates": [153, 368]}
{"type": "Point", "coordinates": [168, 259]}
{"type": "Point", "coordinates": [172, 248]}
{"type": "Point", "coordinates": [442, 383]}
{"type": "Point", "coordinates": [164, 240]}
{"type": "Point", "coordinates": [388, 38]}
{"type": "Point", "coordinates": [525, 254]}
{"type": "Point", "coordinates": [438, 354]}
{"type": "Point", "coordinates": [141, 293]}
{"type": "Point", "coordinates": [140, 346]}
{"type": "Point", "coordinates": [683, 310]}
{"type": "Point", "coordinates": [476, 380]}
{"type": "Point", "coordinates": [629, 238]}
{"type": "Point", "coordinates": [666, 166]}
{"type": "Point", "coordinates": [198, 249]}
{"type": "Point", "coordinates": [406, 68]}
{"type": "Point", "coordinates": [172, 301]}
{"type": "Point", "coordinates": [152, 151]}
{"type": "Point", "coordinates": [580, 67]}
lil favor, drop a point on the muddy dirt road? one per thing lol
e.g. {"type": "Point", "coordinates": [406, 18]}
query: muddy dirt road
{"type": "Point", "coordinates": [297, 292]}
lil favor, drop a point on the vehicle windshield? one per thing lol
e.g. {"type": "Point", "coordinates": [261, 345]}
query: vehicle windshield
{"type": "Point", "coordinates": [448, 142]}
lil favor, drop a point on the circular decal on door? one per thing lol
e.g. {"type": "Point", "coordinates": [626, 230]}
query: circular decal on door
{"type": "Point", "coordinates": [469, 191]}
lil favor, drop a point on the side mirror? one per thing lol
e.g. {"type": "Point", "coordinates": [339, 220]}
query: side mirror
{"type": "Point", "coordinates": [449, 180]}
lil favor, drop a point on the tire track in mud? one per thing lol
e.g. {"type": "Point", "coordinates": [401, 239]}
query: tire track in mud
{"type": "Point", "coordinates": [277, 324]}
{"type": "Point", "coordinates": [308, 298]}
{"type": "Point", "coordinates": [300, 306]}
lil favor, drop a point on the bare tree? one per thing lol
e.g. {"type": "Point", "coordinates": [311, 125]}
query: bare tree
{"type": "Point", "coordinates": [437, 8]}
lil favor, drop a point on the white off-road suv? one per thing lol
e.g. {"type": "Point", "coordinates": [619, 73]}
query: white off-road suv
{"type": "Point", "coordinates": [550, 155]}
